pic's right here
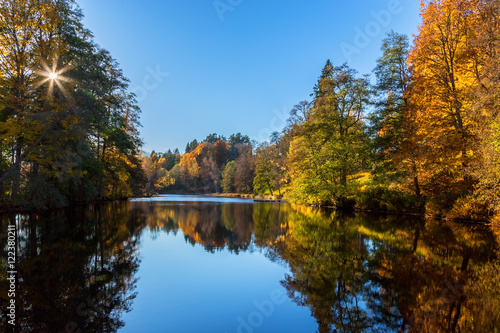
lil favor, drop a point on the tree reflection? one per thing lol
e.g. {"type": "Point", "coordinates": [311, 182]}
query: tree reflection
{"type": "Point", "coordinates": [327, 260]}
{"type": "Point", "coordinates": [362, 274]}
{"type": "Point", "coordinates": [76, 269]}
{"type": "Point", "coordinates": [218, 227]}
{"type": "Point", "coordinates": [355, 272]}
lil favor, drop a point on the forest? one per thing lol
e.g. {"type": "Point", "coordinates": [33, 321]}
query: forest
{"type": "Point", "coordinates": [421, 134]}
{"type": "Point", "coordinates": [68, 124]}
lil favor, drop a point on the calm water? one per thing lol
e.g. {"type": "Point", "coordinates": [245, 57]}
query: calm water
{"type": "Point", "coordinates": [202, 264]}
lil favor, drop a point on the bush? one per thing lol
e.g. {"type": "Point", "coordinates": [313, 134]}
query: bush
{"type": "Point", "coordinates": [381, 198]}
{"type": "Point", "coordinates": [469, 208]}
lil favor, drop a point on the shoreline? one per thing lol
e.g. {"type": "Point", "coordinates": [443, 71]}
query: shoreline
{"type": "Point", "coordinates": [256, 198]}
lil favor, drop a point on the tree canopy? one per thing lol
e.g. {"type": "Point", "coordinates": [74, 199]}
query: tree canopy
{"type": "Point", "coordinates": [68, 124]}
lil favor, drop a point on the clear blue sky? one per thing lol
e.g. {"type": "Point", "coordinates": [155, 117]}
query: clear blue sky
{"type": "Point", "coordinates": [237, 68]}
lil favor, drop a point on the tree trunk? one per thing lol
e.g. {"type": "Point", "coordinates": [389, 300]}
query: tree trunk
{"type": "Point", "coordinates": [415, 180]}
{"type": "Point", "coordinates": [34, 170]}
{"type": "Point", "coordinates": [2, 188]}
{"type": "Point", "coordinates": [16, 174]}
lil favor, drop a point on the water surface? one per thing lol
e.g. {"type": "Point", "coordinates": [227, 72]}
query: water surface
{"type": "Point", "coordinates": [204, 264]}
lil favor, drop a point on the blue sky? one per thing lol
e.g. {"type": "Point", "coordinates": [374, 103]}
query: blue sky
{"type": "Point", "coordinates": [228, 66]}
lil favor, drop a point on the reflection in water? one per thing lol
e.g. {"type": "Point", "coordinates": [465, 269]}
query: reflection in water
{"type": "Point", "coordinates": [75, 268]}
{"type": "Point", "coordinates": [356, 273]}
{"type": "Point", "coordinates": [216, 227]}
{"type": "Point", "coordinates": [359, 274]}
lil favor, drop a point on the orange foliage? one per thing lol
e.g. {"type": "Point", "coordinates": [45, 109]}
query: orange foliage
{"type": "Point", "coordinates": [441, 111]}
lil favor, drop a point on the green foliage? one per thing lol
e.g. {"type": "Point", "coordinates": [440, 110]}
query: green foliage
{"type": "Point", "coordinates": [245, 170]}
{"type": "Point", "coordinates": [484, 300]}
{"type": "Point", "coordinates": [228, 177]}
{"type": "Point", "coordinates": [68, 139]}
{"type": "Point", "coordinates": [266, 177]}
{"type": "Point", "coordinates": [191, 146]}
{"type": "Point", "coordinates": [171, 159]}
{"type": "Point", "coordinates": [386, 123]}
{"type": "Point", "coordinates": [332, 145]}
{"type": "Point", "coordinates": [238, 139]}
{"type": "Point", "coordinates": [381, 198]}
{"type": "Point", "coordinates": [211, 166]}
{"type": "Point", "coordinates": [213, 138]}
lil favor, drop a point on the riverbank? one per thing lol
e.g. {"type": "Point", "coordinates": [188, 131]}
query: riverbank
{"type": "Point", "coordinates": [20, 209]}
{"type": "Point", "coordinates": [376, 203]}
{"type": "Point", "coordinates": [257, 198]}
{"type": "Point", "coordinates": [420, 212]}
{"type": "Point", "coordinates": [357, 208]}
{"type": "Point", "coordinates": [494, 221]}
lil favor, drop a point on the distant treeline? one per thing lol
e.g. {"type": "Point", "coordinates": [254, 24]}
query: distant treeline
{"type": "Point", "coordinates": [424, 138]}
{"type": "Point", "coordinates": [215, 164]}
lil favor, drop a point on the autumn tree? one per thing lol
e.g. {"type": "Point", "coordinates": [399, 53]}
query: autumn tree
{"type": "Point", "coordinates": [221, 152]}
{"type": "Point", "coordinates": [211, 166]}
{"type": "Point", "coordinates": [245, 170]}
{"type": "Point", "coordinates": [189, 170]}
{"type": "Point", "coordinates": [444, 76]}
{"type": "Point", "coordinates": [271, 166]}
{"type": "Point", "coordinates": [156, 171]}
{"type": "Point", "coordinates": [69, 125]}
{"type": "Point", "coordinates": [22, 22]}
{"type": "Point", "coordinates": [228, 177]}
{"type": "Point", "coordinates": [235, 142]}
{"type": "Point", "coordinates": [211, 174]}
{"type": "Point", "coordinates": [265, 176]}
{"type": "Point", "coordinates": [332, 143]}
{"type": "Point", "coordinates": [487, 167]}
{"type": "Point", "coordinates": [299, 114]}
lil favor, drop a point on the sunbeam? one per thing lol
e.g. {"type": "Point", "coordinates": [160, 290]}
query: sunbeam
{"type": "Point", "coordinates": [53, 75]}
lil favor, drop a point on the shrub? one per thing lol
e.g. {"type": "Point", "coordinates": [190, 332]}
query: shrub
{"type": "Point", "coordinates": [469, 208]}
{"type": "Point", "coordinates": [381, 198]}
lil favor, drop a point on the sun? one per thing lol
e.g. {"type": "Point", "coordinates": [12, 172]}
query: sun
{"type": "Point", "coordinates": [54, 77]}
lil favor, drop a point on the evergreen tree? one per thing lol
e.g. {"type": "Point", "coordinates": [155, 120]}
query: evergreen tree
{"type": "Point", "coordinates": [391, 88]}
{"type": "Point", "coordinates": [331, 146]}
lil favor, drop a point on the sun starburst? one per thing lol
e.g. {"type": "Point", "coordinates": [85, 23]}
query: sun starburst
{"type": "Point", "coordinates": [53, 75]}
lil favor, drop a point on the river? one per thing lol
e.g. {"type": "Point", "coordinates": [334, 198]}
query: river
{"type": "Point", "coordinates": [204, 264]}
